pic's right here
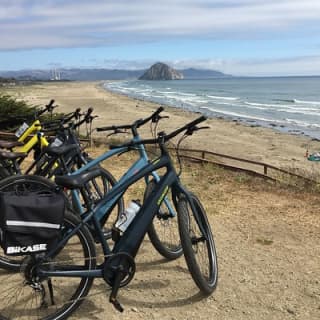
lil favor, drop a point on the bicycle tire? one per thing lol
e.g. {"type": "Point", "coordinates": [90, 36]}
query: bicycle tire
{"type": "Point", "coordinates": [4, 173]}
{"type": "Point", "coordinates": [164, 231]}
{"type": "Point", "coordinates": [19, 183]}
{"type": "Point", "coordinates": [196, 243]}
{"type": "Point", "coordinates": [97, 188]}
{"type": "Point", "coordinates": [22, 297]}
{"type": "Point", "coordinates": [108, 181]}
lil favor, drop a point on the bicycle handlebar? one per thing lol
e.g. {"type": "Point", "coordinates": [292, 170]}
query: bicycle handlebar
{"type": "Point", "coordinates": [189, 127]}
{"type": "Point", "coordinates": [137, 123]}
{"type": "Point", "coordinates": [87, 118]}
{"type": "Point", "coordinates": [48, 107]}
{"type": "Point", "coordinates": [64, 123]}
{"type": "Point", "coordinates": [76, 115]}
{"type": "Point", "coordinates": [59, 122]}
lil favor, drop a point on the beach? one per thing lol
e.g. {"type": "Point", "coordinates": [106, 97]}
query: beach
{"type": "Point", "coordinates": [227, 137]}
{"type": "Point", "coordinates": [265, 233]}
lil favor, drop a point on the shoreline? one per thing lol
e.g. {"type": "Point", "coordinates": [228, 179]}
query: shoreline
{"type": "Point", "coordinates": [225, 136]}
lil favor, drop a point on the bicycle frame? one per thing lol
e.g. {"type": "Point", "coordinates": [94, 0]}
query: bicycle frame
{"type": "Point", "coordinates": [135, 167]}
{"type": "Point", "coordinates": [132, 238]}
{"type": "Point", "coordinates": [38, 136]}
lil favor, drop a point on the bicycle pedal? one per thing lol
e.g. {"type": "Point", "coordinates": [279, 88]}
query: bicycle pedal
{"type": "Point", "coordinates": [116, 304]}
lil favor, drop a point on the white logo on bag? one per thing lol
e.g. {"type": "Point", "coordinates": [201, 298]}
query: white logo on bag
{"type": "Point", "coordinates": [34, 248]}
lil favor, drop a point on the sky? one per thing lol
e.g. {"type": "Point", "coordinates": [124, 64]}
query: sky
{"type": "Point", "coordinates": [238, 37]}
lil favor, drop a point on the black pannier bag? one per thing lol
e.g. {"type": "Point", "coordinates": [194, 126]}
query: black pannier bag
{"type": "Point", "coordinates": [30, 223]}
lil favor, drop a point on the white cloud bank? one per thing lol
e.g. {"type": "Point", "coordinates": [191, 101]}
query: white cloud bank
{"type": "Point", "coordinates": [27, 24]}
{"type": "Point", "coordinates": [33, 24]}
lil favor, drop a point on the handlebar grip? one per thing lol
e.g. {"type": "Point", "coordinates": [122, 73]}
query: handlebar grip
{"type": "Point", "coordinates": [186, 127]}
{"type": "Point", "coordinates": [106, 128]}
{"type": "Point", "coordinates": [85, 119]}
{"type": "Point", "coordinates": [48, 107]}
{"type": "Point", "coordinates": [50, 104]}
{"type": "Point", "coordinates": [144, 121]}
{"type": "Point", "coordinates": [111, 128]}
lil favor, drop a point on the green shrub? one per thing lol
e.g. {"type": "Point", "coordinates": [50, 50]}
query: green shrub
{"type": "Point", "coordinates": [13, 112]}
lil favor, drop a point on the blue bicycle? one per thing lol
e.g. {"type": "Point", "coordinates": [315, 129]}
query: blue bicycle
{"type": "Point", "coordinates": [163, 232]}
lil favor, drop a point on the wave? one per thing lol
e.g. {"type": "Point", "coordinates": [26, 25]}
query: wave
{"type": "Point", "coordinates": [262, 106]}
{"type": "Point", "coordinates": [285, 100]}
{"type": "Point", "coordinates": [194, 99]}
{"type": "Point", "coordinates": [298, 101]}
{"type": "Point", "coordinates": [298, 111]}
{"type": "Point", "coordinates": [302, 123]}
{"type": "Point", "coordinates": [307, 102]}
{"type": "Point", "coordinates": [243, 116]}
{"type": "Point", "coordinates": [223, 98]}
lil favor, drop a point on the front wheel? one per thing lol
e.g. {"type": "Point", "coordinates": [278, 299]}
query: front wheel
{"type": "Point", "coordinates": [197, 242]}
{"type": "Point", "coordinates": [163, 232]}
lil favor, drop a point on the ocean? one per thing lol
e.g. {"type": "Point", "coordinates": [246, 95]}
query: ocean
{"type": "Point", "coordinates": [287, 104]}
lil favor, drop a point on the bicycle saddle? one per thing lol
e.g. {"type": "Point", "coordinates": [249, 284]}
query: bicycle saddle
{"type": "Point", "coordinates": [77, 181]}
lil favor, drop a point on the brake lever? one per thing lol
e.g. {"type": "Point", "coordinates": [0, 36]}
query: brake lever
{"type": "Point", "coordinates": [90, 118]}
{"type": "Point", "coordinates": [157, 118]}
{"type": "Point", "coordinates": [52, 107]}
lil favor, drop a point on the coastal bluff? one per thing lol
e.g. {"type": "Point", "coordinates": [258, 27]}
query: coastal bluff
{"type": "Point", "coordinates": [161, 71]}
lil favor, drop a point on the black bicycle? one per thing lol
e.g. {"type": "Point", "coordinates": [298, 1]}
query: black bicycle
{"type": "Point", "coordinates": [52, 284]}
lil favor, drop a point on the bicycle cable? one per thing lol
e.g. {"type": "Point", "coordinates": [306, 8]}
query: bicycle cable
{"type": "Point", "coordinates": [177, 148]}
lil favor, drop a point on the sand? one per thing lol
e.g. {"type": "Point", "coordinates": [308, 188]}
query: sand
{"type": "Point", "coordinates": [227, 137]}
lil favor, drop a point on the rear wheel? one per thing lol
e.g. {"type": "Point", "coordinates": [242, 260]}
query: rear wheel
{"type": "Point", "coordinates": [198, 244]}
{"type": "Point", "coordinates": [164, 231]}
{"type": "Point", "coordinates": [26, 295]}
{"type": "Point", "coordinates": [95, 190]}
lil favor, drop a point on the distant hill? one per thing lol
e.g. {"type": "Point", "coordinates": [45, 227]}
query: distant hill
{"type": "Point", "coordinates": [161, 71]}
{"type": "Point", "coordinates": [7, 80]}
{"type": "Point", "coordinates": [192, 73]}
{"type": "Point", "coordinates": [74, 74]}
{"type": "Point", "coordinates": [103, 74]}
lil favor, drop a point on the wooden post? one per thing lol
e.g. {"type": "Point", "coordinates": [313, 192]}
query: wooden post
{"type": "Point", "coordinates": [265, 170]}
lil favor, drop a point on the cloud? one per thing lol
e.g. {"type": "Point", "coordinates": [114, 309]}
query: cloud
{"type": "Point", "coordinates": [27, 24]}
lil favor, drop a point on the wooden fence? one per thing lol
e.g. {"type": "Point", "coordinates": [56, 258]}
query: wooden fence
{"type": "Point", "coordinates": [251, 167]}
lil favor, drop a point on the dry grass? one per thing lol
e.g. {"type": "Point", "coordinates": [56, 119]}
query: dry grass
{"type": "Point", "coordinates": [211, 182]}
